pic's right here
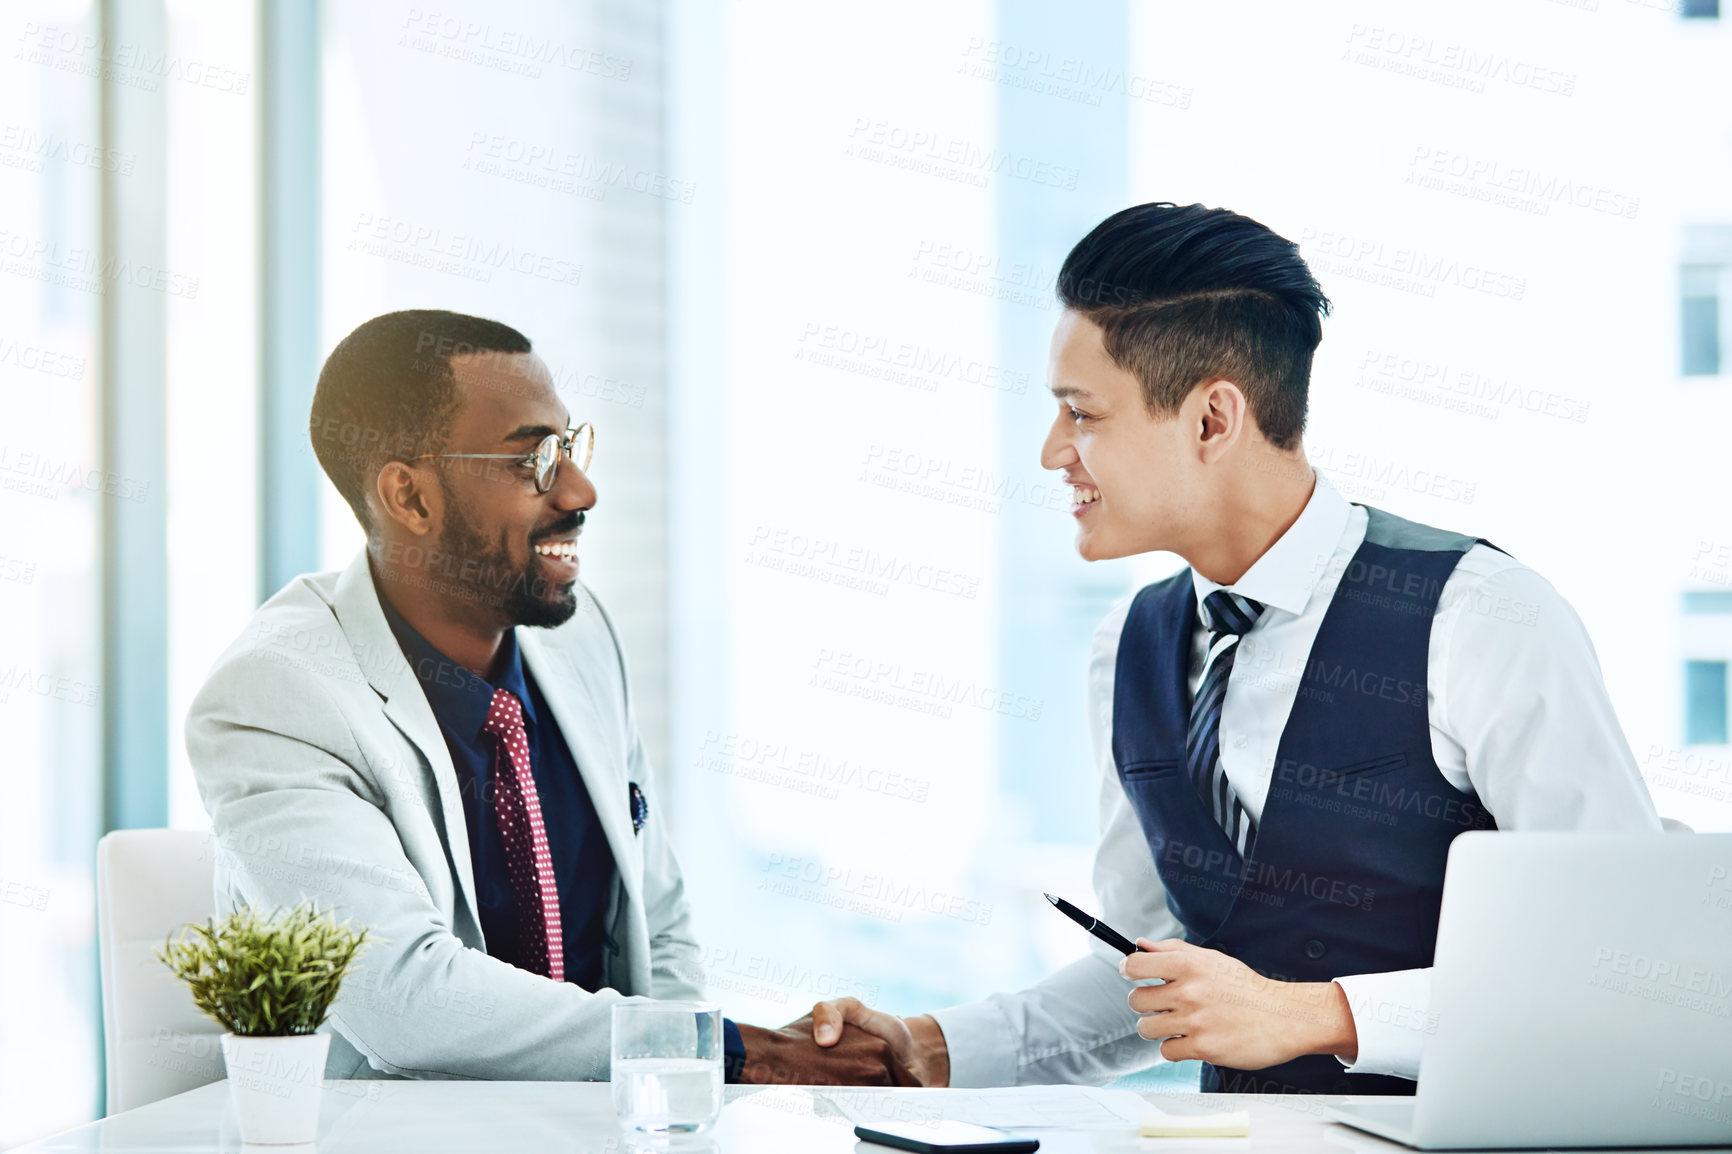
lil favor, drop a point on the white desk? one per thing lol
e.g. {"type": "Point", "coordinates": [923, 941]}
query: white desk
{"type": "Point", "coordinates": [577, 1117]}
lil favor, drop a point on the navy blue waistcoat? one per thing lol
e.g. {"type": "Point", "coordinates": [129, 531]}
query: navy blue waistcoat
{"type": "Point", "coordinates": [1345, 873]}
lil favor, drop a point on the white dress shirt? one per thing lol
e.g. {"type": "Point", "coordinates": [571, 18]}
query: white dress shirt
{"type": "Point", "coordinates": [1518, 714]}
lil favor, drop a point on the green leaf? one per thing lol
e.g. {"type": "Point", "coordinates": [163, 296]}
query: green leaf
{"type": "Point", "coordinates": [265, 974]}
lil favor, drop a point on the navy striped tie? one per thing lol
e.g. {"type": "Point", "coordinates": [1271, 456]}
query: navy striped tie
{"type": "Point", "coordinates": [1227, 616]}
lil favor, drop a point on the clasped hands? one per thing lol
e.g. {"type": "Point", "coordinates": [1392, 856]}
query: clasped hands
{"type": "Point", "coordinates": [1208, 1005]}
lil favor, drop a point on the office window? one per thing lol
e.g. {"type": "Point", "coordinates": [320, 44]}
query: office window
{"type": "Point", "coordinates": [1708, 620]}
{"type": "Point", "coordinates": [52, 158]}
{"type": "Point", "coordinates": [1700, 317]}
{"type": "Point", "coordinates": [1705, 702]}
{"type": "Point", "coordinates": [211, 219]}
{"type": "Point", "coordinates": [522, 180]}
{"type": "Point", "coordinates": [63, 480]}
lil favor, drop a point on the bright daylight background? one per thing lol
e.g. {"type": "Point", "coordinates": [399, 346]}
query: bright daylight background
{"type": "Point", "coordinates": [795, 262]}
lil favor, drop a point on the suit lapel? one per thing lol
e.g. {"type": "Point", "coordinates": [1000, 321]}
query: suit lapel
{"type": "Point", "coordinates": [387, 671]}
{"type": "Point", "coordinates": [570, 696]}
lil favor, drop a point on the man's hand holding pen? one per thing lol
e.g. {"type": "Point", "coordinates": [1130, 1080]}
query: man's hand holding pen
{"type": "Point", "coordinates": [1214, 1007]}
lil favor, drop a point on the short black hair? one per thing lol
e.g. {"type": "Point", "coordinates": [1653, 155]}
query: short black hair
{"type": "Point", "coordinates": [386, 392]}
{"type": "Point", "coordinates": [1194, 294]}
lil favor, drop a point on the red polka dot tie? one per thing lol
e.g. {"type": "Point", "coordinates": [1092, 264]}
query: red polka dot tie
{"type": "Point", "coordinates": [527, 861]}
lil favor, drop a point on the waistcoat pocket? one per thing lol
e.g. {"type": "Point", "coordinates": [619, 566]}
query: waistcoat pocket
{"type": "Point", "coordinates": [1149, 769]}
{"type": "Point", "coordinates": [1370, 766]}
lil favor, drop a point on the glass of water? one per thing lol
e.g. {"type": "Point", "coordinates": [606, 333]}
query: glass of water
{"type": "Point", "coordinates": [667, 1066]}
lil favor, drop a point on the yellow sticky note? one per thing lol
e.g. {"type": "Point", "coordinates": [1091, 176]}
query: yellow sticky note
{"type": "Point", "coordinates": [1236, 1124]}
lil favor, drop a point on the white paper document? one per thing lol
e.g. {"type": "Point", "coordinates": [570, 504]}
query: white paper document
{"type": "Point", "coordinates": [1011, 1107]}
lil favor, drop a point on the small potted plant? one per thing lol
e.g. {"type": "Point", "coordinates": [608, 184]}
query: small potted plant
{"type": "Point", "coordinates": [269, 979]}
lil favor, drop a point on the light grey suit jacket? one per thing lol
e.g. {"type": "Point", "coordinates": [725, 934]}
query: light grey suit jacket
{"type": "Point", "coordinates": [326, 776]}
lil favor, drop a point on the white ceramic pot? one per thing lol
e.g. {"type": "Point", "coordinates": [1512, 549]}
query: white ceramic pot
{"type": "Point", "coordinates": [275, 1085]}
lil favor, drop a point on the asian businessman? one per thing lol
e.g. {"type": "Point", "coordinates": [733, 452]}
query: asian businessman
{"type": "Point", "coordinates": [1289, 731]}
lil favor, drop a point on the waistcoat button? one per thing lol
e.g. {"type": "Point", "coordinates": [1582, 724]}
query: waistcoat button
{"type": "Point", "coordinates": [1313, 949]}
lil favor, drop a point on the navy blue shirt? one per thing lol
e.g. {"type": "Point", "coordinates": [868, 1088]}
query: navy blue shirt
{"type": "Point", "coordinates": [583, 865]}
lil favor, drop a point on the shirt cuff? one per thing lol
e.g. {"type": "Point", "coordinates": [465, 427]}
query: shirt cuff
{"type": "Point", "coordinates": [1392, 1016]}
{"type": "Point", "coordinates": [982, 1044]}
{"type": "Point", "coordinates": [733, 1051]}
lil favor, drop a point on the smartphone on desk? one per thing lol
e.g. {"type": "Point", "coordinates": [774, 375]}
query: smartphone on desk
{"type": "Point", "coordinates": [947, 1138]}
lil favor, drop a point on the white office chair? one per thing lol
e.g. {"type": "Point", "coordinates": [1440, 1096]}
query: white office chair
{"type": "Point", "coordinates": [149, 882]}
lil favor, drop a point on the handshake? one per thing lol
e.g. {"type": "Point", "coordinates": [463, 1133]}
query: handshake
{"type": "Point", "coordinates": [1202, 1003]}
{"type": "Point", "coordinates": [847, 1043]}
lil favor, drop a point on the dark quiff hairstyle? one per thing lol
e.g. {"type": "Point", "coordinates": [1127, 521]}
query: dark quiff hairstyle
{"type": "Point", "coordinates": [387, 393]}
{"type": "Point", "coordinates": [1193, 294]}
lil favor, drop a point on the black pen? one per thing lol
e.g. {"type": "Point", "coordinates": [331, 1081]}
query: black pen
{"type": "Point", "coordinates": [1094, 926]}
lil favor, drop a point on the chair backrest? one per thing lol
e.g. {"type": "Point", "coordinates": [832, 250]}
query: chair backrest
{"type": "Point", "coordinates": [149, 882]}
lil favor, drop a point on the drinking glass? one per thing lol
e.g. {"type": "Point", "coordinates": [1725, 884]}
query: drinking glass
{"type": "Point", "coordinates": [667, 1065]}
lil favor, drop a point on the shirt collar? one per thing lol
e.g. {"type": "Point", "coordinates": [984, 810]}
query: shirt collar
{"type": "Point", "coordinates": [460, 697]}
{"type": "Point", "coordinates": [1288, 571]}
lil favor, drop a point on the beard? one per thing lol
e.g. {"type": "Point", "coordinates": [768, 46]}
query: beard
{"type": "Point", "coordinates": [515, 590]}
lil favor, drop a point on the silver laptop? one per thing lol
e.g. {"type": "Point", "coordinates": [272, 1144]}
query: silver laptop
{"type": "Point", "coordinates": [1582, 997]}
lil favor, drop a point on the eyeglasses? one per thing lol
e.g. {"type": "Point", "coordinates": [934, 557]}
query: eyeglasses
{"type": "Point", "coordinates": [577, 446]}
